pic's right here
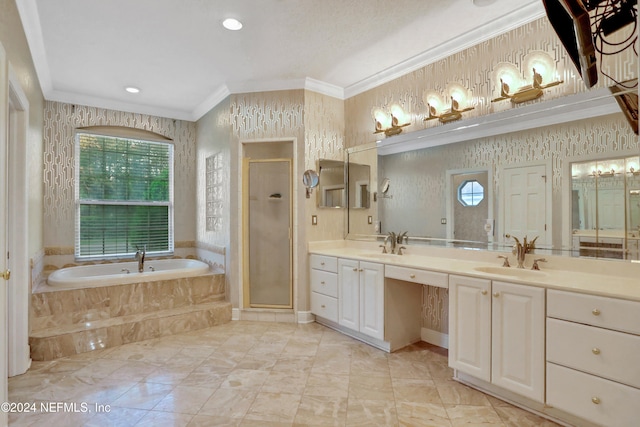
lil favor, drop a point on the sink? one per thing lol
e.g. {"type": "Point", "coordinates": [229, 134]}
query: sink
{"type": "Point", "coordinates": [513, 272]}
{"type": "Point", "coordinates": [380, 256]}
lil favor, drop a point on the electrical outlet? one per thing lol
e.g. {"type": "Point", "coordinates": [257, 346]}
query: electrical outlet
{"type": "Point", "coordinates": [369, 219]}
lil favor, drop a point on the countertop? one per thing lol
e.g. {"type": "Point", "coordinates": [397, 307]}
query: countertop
{"type": "Point", "coordinates": [610, 279]}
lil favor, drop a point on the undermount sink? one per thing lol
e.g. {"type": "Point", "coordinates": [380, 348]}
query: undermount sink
{"type": "Point", "coordinates": [380, 256]}
{"type": "Point", "coordinates": [512, 271]}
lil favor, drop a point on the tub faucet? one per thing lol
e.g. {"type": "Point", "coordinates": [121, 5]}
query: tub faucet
{"type": "Point", "coordinates": [140, 258]}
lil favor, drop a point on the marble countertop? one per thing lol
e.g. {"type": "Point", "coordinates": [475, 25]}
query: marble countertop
{"type": "Point", "coordinates": [595, 277]}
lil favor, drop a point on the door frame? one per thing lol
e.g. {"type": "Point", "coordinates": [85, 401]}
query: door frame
{"type": "Point", "coordinates": [548, 199]}
{"type": "Point", "coordinates": [18, 242]}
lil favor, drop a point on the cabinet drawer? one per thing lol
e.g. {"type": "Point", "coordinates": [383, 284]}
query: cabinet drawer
{"type": "Point", "coordinates": [424, 277]}
{"type": "Point", "coordinates": [324, 306]}
{"type": "Point", "coordinates": [609, 354]}
{"type": "Point", "coordinates": [610, 313]}
{"type": "Point", "coordinates": [595, 399]}
{"type": "Point", "coordinates": [326, 263]}
{"type": "Point", "coordinates": [324, 282]}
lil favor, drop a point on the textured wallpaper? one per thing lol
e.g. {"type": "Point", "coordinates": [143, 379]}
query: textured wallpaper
{"type": "Point", "coordinates": [60, 122]}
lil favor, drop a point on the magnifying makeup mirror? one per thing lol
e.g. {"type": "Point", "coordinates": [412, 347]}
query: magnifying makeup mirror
{"type": "Point", "coordinates": [310, 179]}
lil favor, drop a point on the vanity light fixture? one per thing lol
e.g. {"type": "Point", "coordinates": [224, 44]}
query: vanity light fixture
{"type": "Point", "coordinates": [458, 97]}
{"type": "Point", "coordinates": [543, 68]}
{"type": "Point", "coordinates": [389, 123]}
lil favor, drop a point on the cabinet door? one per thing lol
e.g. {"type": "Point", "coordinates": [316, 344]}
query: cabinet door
{"type": "Point", "coordinates": [349, 293]}
{"type": "Point", "coordinates": [518, 324]}
{"type": "Point", "coordinates": [470, 326]}
{"type": "Point", "coordinates": [372, 299]}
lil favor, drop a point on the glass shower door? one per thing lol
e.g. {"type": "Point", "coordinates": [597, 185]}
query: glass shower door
{"type": "Point", "coordinates": [269, 224]}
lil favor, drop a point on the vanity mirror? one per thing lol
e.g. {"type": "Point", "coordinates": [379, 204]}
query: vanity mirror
{"type": "Point", "coordinates": [332, 189]}
{"type": "Point", "coordinates": [497, 150]}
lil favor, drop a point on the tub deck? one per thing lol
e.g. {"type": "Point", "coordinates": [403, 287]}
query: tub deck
{"type": "Point", "coordinates": [68, 322]}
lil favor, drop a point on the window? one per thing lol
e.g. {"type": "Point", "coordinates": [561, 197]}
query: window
{"type": "Point", "coordinates": [215, 174]}
{"type": "Point", "coordinates": [470, 193]}
{"type": "Point", "coordinates": [124, 196]}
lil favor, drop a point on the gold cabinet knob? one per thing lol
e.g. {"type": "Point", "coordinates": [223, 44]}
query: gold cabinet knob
{"type": "Point", "coordinates": [361, 269]}
{"type": "Point", "coordinates": [322, 283]}
{"type": "Point", "coordinates": [413, 276]}
{"type": "Point", "coordinates": [483, 292]}
{"type": "Point", "coordinates": [355, 269]}
{"type": "Point", "coordinates": [595, 350]}
{"type": "Point", "coordinates": [496, 294]}
{"type": "Point", "coordinates": [595, 400]}
{"type": "Point", "coordinates": [6, 275]}
{"type": "Point", "coordinates": [323, 306]}
{"type": "Point", "coordinates": [322, 263]}
{"type": "Point", "coordinates": [595, 312]}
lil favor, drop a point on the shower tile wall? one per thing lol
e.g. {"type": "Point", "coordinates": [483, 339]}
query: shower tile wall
{"type": "Point", "coordinates": [60, 122]}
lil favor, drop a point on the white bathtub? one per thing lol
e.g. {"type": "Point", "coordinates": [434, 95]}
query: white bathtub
{"type": "Point", "coordinates": [89, 276]}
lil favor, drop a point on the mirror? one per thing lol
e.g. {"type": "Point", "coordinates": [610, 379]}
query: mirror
{"type": "Point", "coordinates": [332, 192]}
{"type": "Point", "coordinates": [423, 197]}
{"type": "Point", "coordinates": [604, 208]}
{"type": "Point", "coordinates": [310, 180]}
{"type": "Point", "coordinates": [359, 192]}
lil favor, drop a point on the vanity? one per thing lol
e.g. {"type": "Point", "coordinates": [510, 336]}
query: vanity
{"type": "Point", "coordinates": [563, 342]}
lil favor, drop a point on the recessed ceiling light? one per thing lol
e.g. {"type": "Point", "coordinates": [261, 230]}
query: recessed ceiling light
{"type": "Point", "coordinates": [483, 3]}
{"type": "Point", "coordinates": [232, 24]}
{"type": "Point", "coordinates": [132, 89]}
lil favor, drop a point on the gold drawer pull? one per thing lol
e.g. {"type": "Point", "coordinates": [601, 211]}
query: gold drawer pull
{"type": "Point", "coordinates": [323, 306]}
{"type": "Point", "coordinates": [484, 292]}
{"type": "Point", "coordinates": [595, 350]}
{"type": "Point", "coordinates": [322, 263]}
{"type": "Point", "coordinates": [595, 312]}
{"type": "Point", "coordinates": [322, 283]}
{"type": "Point", "coordinates": [595, 400]}
{"type": "Point", "coordinates": [413, 276]}
{"type": "Point", "coordinates": [355, 269]}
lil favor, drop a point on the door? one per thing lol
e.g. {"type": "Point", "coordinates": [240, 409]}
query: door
{"type": "Point", "coordinates": [524, 202]}
{"type": "Point", "coordinates": [4, 345]}
{"type": "Point", "coordinates": [372, 299]}
{"type": "Point", "coordinates": [470, 326]}
{"type": "Point", "coordinates": [349, 293]}
{"type": "Point", "coordinates": [518, 348]}
{"type": "Point", "coordinates": [269, 234]}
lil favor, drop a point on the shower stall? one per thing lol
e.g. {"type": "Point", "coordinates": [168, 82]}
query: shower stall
{"type": "Point", "coordinates": [268, 234]}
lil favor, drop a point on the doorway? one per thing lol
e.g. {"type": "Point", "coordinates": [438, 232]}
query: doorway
{"type": "Point", "coordinates": [267, 233]}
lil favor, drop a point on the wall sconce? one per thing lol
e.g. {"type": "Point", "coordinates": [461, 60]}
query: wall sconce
{"type": "Point", "coordinates": [633, 164]}
{"type": "Point", "coordinates": [458, 100]}
{"type": "Point", "coordinates": [543, 70]}
{"type": "Point", "coordinates": [389, 123]}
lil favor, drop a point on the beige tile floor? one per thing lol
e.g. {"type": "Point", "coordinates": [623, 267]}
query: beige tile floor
{"type": "Point", "coordinates": [257, 374]}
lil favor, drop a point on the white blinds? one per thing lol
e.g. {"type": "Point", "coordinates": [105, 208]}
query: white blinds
{"type": "Point", "coordinates": [124, 193]}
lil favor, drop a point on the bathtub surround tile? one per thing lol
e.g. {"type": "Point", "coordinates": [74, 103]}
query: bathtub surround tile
{"type": "Point", "coordinates": [68, 322]}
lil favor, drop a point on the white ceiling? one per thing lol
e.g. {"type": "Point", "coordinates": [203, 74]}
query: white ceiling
{"type": "Point", "coordinates": [176, 51]}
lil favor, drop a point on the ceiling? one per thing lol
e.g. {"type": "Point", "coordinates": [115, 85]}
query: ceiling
{"type": "Point", "coordinates": [184, 62]}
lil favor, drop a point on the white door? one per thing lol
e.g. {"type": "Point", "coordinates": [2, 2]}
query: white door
{"type": "Point", "coordinates": [518, 325]}
{"type": "Point", "coordinates": [470, 326]}
{"type": "Point", "coordinates": [4, 84]}
{"type": "Point", "coordinates": [372, 299]}
{"type": "Point", "coordinates": [349, 293]}
{"type": "Point", "coordinates": [524, 200]}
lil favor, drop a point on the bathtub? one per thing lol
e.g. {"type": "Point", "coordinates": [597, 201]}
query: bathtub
{"type": "Point", "coordinates": [89, 276]}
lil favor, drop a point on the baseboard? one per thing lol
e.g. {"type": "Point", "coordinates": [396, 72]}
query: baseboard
{"type": "Point", "coordinates": [306, 317]}
{"type": "Point", "coordinates": [435, 337]}
{"type": "Point", "coordinates": [235, 314]}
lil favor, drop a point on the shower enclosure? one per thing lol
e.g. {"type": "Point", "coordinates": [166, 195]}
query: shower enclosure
{"type": "Point", "coordinates": [268, 242]}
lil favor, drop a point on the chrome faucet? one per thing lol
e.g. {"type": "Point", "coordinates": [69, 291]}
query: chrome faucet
{"type": "Point", "coordinates": [521, 249]}
{"type": "Point", "coordinates": [140, 258]}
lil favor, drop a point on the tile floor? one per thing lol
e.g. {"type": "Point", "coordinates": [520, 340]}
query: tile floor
{"type": "Point", "coordinates": [256, 374]}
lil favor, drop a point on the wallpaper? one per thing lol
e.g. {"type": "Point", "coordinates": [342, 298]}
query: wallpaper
{"type": "Point", "coordinates": [60, 122]}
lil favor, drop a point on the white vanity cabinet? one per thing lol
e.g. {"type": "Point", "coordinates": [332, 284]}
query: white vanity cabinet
{"type": "Point", "coordinates": [593, 356]}
{"type": "Point", "coordinates": [496, 333]}
{"type": "Point", "coordinates": [324, 286]}
{"type": "Point", "coordinates": [361, 297]}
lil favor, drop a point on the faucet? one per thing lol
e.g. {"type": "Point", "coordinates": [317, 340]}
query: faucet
{"type": "Point", "coordinates": [140, 258]}
{"type": "Point", "coordinates": [391, 237]}
{"type": "Point", "coordinates": [521, 249]}
{"type": "Point", "coordinates": [401, 237]}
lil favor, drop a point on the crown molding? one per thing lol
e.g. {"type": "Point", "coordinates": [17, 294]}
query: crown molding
{"type": "Point", "coordinates": [28, 11]}
{"type": "Point", "coordinates": [478, 35]}
{"type": "Point", "coordinates": [208, 104]}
